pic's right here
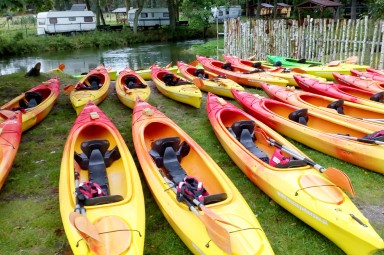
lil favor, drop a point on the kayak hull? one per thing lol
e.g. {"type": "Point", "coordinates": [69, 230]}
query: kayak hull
{"type": "Point", "coordinates": [123, 179]}
{"type": "Point", "coordinates": [127, 95]}
{"type": "Point", "coordinates": [149, 125]}
{"type": "Point", "coordinates": [329, 216]}
{"type": "Point", "coordinates": [184, 92]}
{"type": "Point", "coordinates": [10, 135]}
{"type": "Point", "coordinates": [49, 92]}
{"type": "Point", "coordinates": [211, 82]}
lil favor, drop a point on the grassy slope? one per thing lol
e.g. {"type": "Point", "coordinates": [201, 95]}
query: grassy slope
{"type": "Point", "coordinates": [29, 207]}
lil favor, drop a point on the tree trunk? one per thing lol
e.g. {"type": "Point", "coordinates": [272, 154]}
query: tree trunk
{"type": "Point", "coordinates": [140, 5]}
{"type": "Point", "coordinates": [97, 13]}
{"type": "Point", "coordinates": [353, 9]}
{"type": "Point", "coordinates": [172, 16]}
{"type": "Point", "coordinates": [87, 3]}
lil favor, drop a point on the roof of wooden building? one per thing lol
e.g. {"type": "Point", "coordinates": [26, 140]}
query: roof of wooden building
{"type": "Point", "coordinates": [318, 3]}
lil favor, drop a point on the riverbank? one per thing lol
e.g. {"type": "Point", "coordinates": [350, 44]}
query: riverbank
{"type": "Point", "coordinates": [20, 43]}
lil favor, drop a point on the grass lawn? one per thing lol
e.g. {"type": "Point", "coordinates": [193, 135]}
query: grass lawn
{"type": "Point", "coordinates": [29, 208]}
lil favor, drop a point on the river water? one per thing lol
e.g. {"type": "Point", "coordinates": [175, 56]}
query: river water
{"type": "Point", "coordinates": [136, 57]}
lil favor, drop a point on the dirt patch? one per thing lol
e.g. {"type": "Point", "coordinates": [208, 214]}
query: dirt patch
{"type": "Point", "coordinates": [374, 213]}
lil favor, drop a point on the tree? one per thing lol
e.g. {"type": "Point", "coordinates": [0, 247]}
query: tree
{"type": "Point", "coordinates": [140, 5]}
{"type": "Point", "coordinates": [198, 14]}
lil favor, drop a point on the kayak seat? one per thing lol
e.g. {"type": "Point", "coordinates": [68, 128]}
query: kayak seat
{"type": "Point", "coordinates": [168, 152]}
{"type": "Point", "coordinates": [244, 132]}
{"type": "Point", "coordinates": [254, 71]}
{"type": "Point", "coordinates": [227, 66]}
{"type": "Point", "coordinates": [302, 61]}
{"type": "Point", "coordinates": [133, 83]}
{"type": "Point", "coordinates": [32, 99]}
{"type": "Point", "coordinates": [277, 63]}
{"type": "Point", "coordinates": [299, 116]}
{"type": "Point", "coordinates": [337, 105]}
{"type": "Point", "coordinates": [95, 82]}
{"type": "Point", "coordinates": [200, 73]}
{"type": "Point", "coordinates": [96, 158]}
{"type": "Point", "coordinates": [169, 79]}
{"type": "Point", "coordinates": [257, 65]}
{"type": "Point", "coordinates": [378, 97]}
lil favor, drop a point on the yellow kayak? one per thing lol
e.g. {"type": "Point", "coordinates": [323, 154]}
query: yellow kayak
{"type": "Point", "coordinates": [326, 71]}
{"type": "Point", "coordinates": [169, 157]}
{"type": "Point", "coordinates": [129, 86]}
{"type": "Point", "coordinates": [146, 73]}
{"type": "Point", "coordinates": [176, 87]}
{"type": "Point", "coordinates": [211, 82]}
{"type": "Point", "coordinates": [93, 86]}
{"type": "Point", "coordinates": [291, 179]}
{"type": "Point", "coordinates": [36, 103]}
{"type": "Point", "coordinates": [100, 193]}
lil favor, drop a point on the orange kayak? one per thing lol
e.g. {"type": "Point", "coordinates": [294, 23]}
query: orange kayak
{"type": "Point", "coordinates": [359, 82]}
{"type": "Point", "coordinates": [298, 187]}
{"type": "Point", "coordinates": [100, 193]}
{"type": "Point", "coordinates": [10, 133]}
{"type": "Point", "coordinates": [357, 114]}
{"type": "Point", "coordinates": [168, 155]}
{"type": "Point", "coordinates": [36, 103]}
{"type": "Point", "coordinates": [129, 86]}
{"type": "Point", "coordinates": [323, 133]}
{"type": "Point", "coordinates": [211, 82]}
{"type": "Point", "coordinates": [238, 74]}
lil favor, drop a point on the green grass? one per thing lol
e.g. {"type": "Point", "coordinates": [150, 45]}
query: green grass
{"type": "Point", "coordinates": [29, 208]}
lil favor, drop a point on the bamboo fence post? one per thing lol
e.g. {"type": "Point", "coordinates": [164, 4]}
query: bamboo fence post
{"type": "Point", "coordinates": [382, 48]}
{"type": "Point", "coordinates": [335, 40]}
{"type": "Point", "coordinates": [373, 45]}
{"type": "Point", "coordinates": [355, 42]}
{"type": "Point", "coordinates": [364, 40]}
{"type": "Point", "coordinates": [347, 41]}
{"type": "Point", "coordinates": [342, 39]}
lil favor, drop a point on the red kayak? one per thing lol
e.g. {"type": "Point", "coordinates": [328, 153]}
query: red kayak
{"type": "Point", "coordinates": [339, 91]}
{"type": "Point", "coordinates": [376, 71]}
{"type": "Point", "coordinates": [368, 75]}
{"type": "Point", "coordinates": [238, 74]}
{"type": "Point", "coordinates": [359, 82]}
{"type": "Point", "coordinates": [10, 134]}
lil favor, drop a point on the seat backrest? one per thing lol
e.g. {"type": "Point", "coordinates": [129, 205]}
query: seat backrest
{"type": "Point", "coordinates": [168, 152]}
{"type": "Point", "coordinates": [227, 66]}
{"type": "Point", "coordinates": [300, 116]}
{"type": "Point", "coordinates": [337, 105]}
{"type": "Point", "coordinates": [33, 99]}
{"type": "Point", "coordinates": [378, 97]}
{"type": "Point", "coordinates": [244, 131]}
{"type": "Point", "coordinates": [257, 65]}
{"type": "Point", "coordinates": [199, 73]}
{"type": "Point", "coordinates": [168, 79]}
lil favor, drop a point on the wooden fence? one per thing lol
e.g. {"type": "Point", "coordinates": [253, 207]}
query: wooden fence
{"type": "Point", "coordinates": [322, 40]}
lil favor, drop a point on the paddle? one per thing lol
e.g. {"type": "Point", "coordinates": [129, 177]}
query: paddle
{"type": "Point", "coordinates": [68, 89]}
{"type": "Point", "coordinates": [363, 140]}
{"type": "Point", "coordinates": [335, 175]}
{"type": "Point", "coordinates": [298, 70]}
{"type": "Point", "coordinates": [219, 235]}
{"type": "Point", "coordinates": [198, 82]}
{"type": "Point", "coordinates": [77, 218]}
{"type": "Point", "coordinates": [169, 65]}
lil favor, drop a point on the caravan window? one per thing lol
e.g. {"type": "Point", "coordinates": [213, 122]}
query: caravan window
{"type": "Point", "coordinates": [165, 14]}
{"type": "Point", "coordinates": [88, 19]}
{"type": "Point", "coordinates": [72, 18]}
{"type": "Point", "coordinates": [220, 13]}
{"type": "Point", "coordinates": [41, 21]}
{"type": "Point", "coordinates": [53, 20]}
{"type": "Point", "coordinates": [144, 15]}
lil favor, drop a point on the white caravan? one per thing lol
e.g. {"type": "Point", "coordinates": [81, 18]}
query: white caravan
{"type": "Point", "coordinates": [65, 22]}
{"type": "Point", "coordinates": [149, 17]}
{"type": "Point", "coordinates": [222, 12]}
